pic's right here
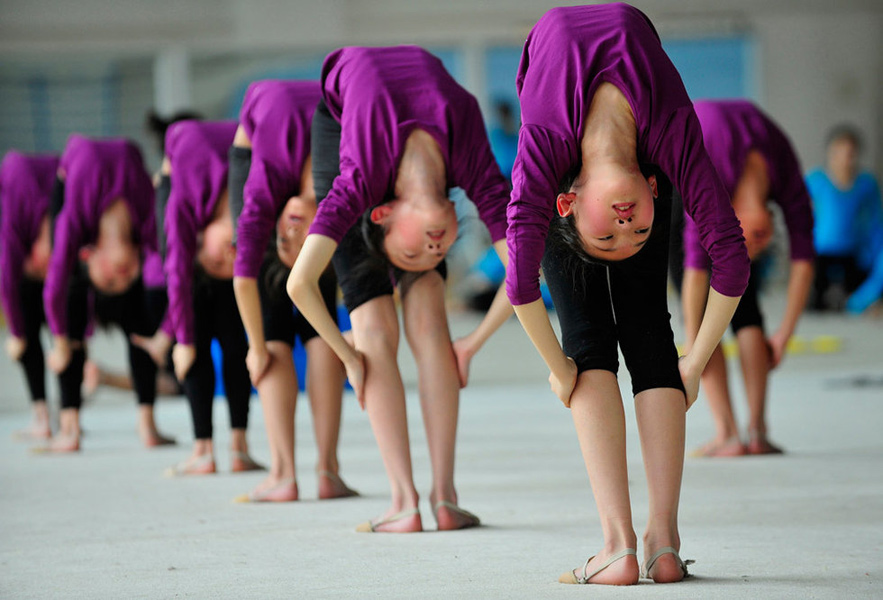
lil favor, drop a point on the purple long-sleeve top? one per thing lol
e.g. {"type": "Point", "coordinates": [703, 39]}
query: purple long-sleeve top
{"type": "Point", "coordinates": [197, 152]}
{"type": "Point", "coordinates": [97, 173]}
{"type": "Point", "coordinates": [276, 116]}
{"type": "Point", "coordinates": [25, 192]}
{"type": "Point", "coordinates": [568, 54]}
{"type": "Point", "coordinates": [380, 96]}
{"type": "Point", "coordinates": [731, 129]}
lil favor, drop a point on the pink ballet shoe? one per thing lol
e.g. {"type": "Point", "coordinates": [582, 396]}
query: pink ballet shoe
{"type": "Point", "coordinates": [450, 517]}
{"type": "Point", "coordinates": [331, 486]}
{"type": "Point", "coordinates": [195, 465]}
{"type": "Point", "coordinates": [59, 445]}
{"type": "Point", "coordinates": [759, 444]}
{"type": "Point", "coordinates": [374, 526]}
{"type": "Point", "coordinates": [728, 448]}
{"type": "Point", "coordinates": [241, 462]}
{"type": "Point", "coordinates": [284, 491]}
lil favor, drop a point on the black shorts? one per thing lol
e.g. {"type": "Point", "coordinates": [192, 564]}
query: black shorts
{"type": "Point", "coordinates": [748, 312]}
{"type": "Point", "coordinates": [361, 275]}
{"type": "Point", "coordinates": [281, 322]}
{"type": "Point", "coordinates": [603, 303]}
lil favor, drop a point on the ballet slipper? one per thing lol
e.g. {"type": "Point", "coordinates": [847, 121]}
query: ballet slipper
{"type": "Point", "coordinates": [195, 465]}
{"type": "Point", "coordinates": [372, 526]}
{"type": "Point", "coordinates": [759, 444]}
{"type": "Point", "coordinates": [331, 486]}
{"type": "Point", "coordinates": [59, 445]}
{"type": "Point", "coordinates": [648, 566]}
{"type": "Point", "coordinates": [458, 518]}
{"type": "Point", "coordinates": [284, 491]}
{"type": "Point", "coordinates": [156, 440]}
{"type": "Point", "coordinates": [241, 462]}
{"type": "Point", "coordinates": [730, 447]}
{"type": "Point", "coordinates": [32, 433]}
{"type": "Point", "coordinates": [572, 578]}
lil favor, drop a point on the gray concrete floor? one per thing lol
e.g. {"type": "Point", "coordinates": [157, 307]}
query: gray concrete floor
{"type": "Point", "coordinates": [106, 524]}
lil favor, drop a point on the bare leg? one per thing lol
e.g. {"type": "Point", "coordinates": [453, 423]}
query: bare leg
{"type": "Point", "coordinates": [147, 431]}
{"type": "Point", "coordinates": [596, 408]}
{"type": "Point", "coordinates": [39, 429]}
{"type": "Point", "coordinates": [278, 393]}
{"type": "Point", "coordinates": [715, 383]}
{"type": "Point", "coordinates": [426, 327]}
{"type": "Point", "coordinates": [325, 377]}
{"type": "Point", "coordinates": [661, 417]}
{"type": "Point", "coordinates": [68, 437]}
{"type": "Point", "coordinates": [376, 333]}
{"type": "Point", "coordinates": [755, 360]}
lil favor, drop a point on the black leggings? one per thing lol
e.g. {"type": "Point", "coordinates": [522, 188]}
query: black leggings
{"type": "Point", "coordinates": [217, 317]}
{"type": "Point", "coordinates": [602, 303]}
{"type": "Point", "coordinates": [850, 276]}
{"type": "Point", "coordinates": [138, 310]}
{"type": "Point", "coordinates": [71, 379]}
{"type": "Point", "coordinates": [32, 360]}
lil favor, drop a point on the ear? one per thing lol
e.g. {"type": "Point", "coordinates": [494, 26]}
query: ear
{"type": "Point", "coordinates": [652, 181]}
{"type": "Point", "coordinates": [565, 204]}
{"type": "Point", "coordinates": [86, 253]}
{"type": "Point", "coordinates": [380, 213]}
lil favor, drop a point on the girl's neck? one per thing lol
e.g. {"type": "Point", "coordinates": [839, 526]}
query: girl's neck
{"type": "Point", "coordinates": [421, 174]}
{"type": "Point", "coordinates": [116, 222]}
{"type": "Point", "coordinates": [610, 134]}
{"type": "Point", "coordinates": [843, 177]}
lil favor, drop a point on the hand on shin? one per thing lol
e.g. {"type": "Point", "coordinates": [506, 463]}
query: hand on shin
{"type": "Point", "coordinates": [690, 377]}
{"type": "Point", "coordinates": [257, 361]}
{"type": "Point", "coordinates": [60, 355]}
{"type": "Point", "coordinates": [564, 382]}
{"type": "Point", "coordinates": [183, 357]}
{"type": "Point", "coordinates": [15, 347]}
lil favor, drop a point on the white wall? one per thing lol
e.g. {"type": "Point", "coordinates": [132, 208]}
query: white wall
{"type": "Point", "coordinates": [818, 64]}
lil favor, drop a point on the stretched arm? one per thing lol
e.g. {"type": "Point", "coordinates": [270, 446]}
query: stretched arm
{"type": "Point", "coordinates": [303, 287]}
{"type": "Point", "coordinates": [249, 302]}
{"type": "Point", "coordinates": [718, 314]}
{"type": "Point", "coordinates": [799, 282]}
{"type": "Point", "coordinates": [468, 346]}
{"type": "Point", "coordinates": [694, 297]}
{"type": "Point", "coordinates": [535, 320]}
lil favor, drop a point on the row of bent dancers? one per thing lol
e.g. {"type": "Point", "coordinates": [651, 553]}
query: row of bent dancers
{"type": "Point", "coordinates": [345, 183]}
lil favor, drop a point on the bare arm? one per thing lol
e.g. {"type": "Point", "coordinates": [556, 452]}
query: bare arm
{"type": "Point", "coordinates": [303, 287]}
{"type": "Point", "coordinates": [799, 282]}
{"type": "Point", "coordinates": [694, 296]}
{"type": "Point", "coordinates": [500, 310]}
{"type": "Point", "coordinates": [718, 314]}
{"type": "Point", "coordinates": [249, 302]}
{"type": "Point", "coordinates": [535, 320]}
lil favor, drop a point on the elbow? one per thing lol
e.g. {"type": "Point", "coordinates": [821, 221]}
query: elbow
{"type": "Point", "coordinates": [295, 287]}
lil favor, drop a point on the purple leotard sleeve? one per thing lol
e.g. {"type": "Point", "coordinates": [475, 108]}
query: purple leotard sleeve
{"type": "Point", "coordinates": [98, 172]}
{"type": "Point", "coordinates": [380, 96]}
{"type": "Point", "coordinates": [568, 54]}
{"type": "Point", "coordinates": [25, 191]}
{"type": "Point", "coordinates": [197, 152]}
{"type": "Point", "coordinates": [731, 129]}
{"type": "Point", "coordinates": [277, 116]}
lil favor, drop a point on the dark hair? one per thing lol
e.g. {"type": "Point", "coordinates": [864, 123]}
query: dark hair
{"type": "Point", "coordinates": [157, 125]}
{"type": "Point", "coordinates": [844, 131]}
{"type": "Point", "coordinates": [563, 234]}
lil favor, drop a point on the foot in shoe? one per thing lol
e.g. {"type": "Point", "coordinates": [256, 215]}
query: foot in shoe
{"type": "Point", "coordinates": [241, 462]}
{"type": "Point", "coordinates": [665, 566]}
{"type": "Point", "coordinates": [332, 486]}
{"type": "Point", "coordinates": [155, 439]}
{"type": "Point", "coordinates": [620, 568]}
{"type": "Point", "coordinates": [449, 516]}
{"type": "Point", "coordinates": [33, 433]}
{"type": "Point", "coordinates": [405, 521]}
{"type": "Point", "coordinates": [60, 444]}
{"type": "Point", "coordinates": [271, 490]}
{"type": "Point", "coordinates": [759, 444]}
{"type": "Point", "coordinates": [203, 464]}
{"type": "Point", "coordinates": [731, 446]}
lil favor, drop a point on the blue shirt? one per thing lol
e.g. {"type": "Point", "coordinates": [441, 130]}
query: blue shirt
{"type": "Point", "coordinates": [845, 220]}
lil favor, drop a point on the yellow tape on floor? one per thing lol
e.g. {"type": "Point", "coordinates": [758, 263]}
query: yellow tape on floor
{"type": "Point", "coordinates": [820, 344]}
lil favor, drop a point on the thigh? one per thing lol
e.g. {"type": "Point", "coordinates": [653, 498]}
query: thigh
{"type": "Point", "coordinates": [31, 295]}
{"type": "Point", "coordinates": [362, 276]}
{"type": "Point", "coordinates": [581, 297]}
{"type": "Point", "coordinates": [748, 312]}
{"type": "Point", "coordinates": [325, 150]}
{"type": "Point", "coordinates": [277, 310]}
